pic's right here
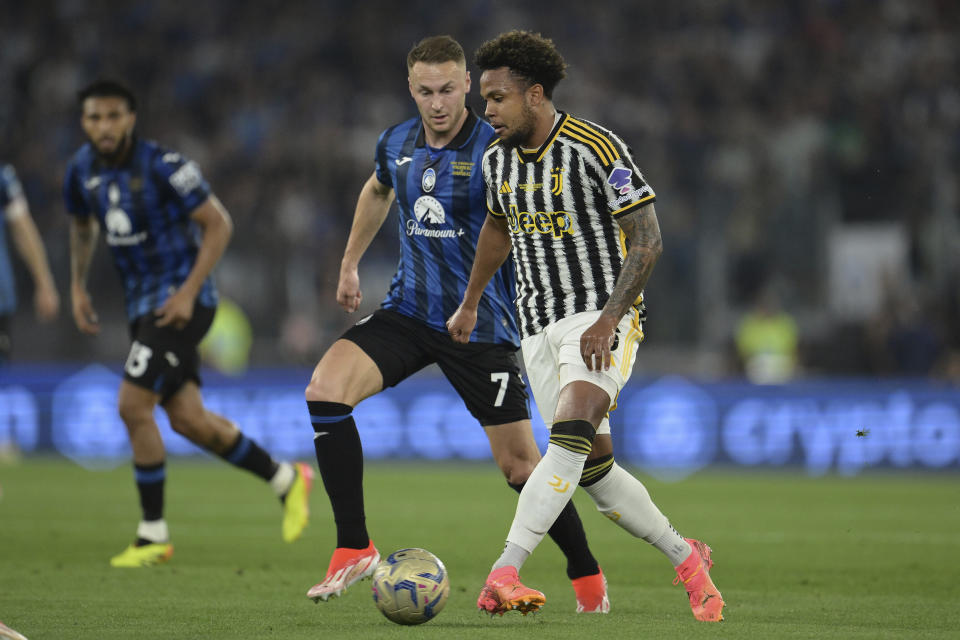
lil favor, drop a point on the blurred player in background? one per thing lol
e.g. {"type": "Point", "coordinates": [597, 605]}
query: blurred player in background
{"type": "Point", "coordinates": [431, 165]}
{"type": "Point", "coordinates": [566, 196]}
{"type": "Point", "coordinates": [166, 231]}
{"type": "Point", "coordinates": [16, 213]}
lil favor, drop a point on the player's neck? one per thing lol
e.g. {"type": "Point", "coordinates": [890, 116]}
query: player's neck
{"type": "Point", "coordinates": [438, 141]}
{"type": "Point", "coordinates": [546, 121]}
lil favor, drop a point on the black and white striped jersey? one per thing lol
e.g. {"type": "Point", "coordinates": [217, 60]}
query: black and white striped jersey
{"type": "Point", "coordinates": [560, 202]}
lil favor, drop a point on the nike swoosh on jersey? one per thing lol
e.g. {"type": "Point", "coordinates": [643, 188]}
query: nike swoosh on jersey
{"type": "Point", "coordinates": [404, 160]}
{"type": "Point", "coordinates": [92, 183]}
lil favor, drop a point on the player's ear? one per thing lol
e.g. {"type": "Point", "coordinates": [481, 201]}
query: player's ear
{"type": "Point", "coordinates": [535, 94]}
{"type": "Point", "coordinates": [467, 85]}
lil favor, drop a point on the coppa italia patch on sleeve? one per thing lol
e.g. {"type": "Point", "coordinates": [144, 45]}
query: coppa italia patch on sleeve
{"type": "Point", "coordinates": [619, 179]}
{"type": "Point", "coordinates": [186, 178]}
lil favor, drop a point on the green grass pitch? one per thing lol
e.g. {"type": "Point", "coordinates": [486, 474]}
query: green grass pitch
{"type": "Point", "coordinates": [873, 556]}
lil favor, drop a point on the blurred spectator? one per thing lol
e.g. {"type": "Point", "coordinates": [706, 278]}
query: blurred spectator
{"type": "Point", "coordinates": [902, 339]}
{"type": "Point", "coordinates": [767, 340]}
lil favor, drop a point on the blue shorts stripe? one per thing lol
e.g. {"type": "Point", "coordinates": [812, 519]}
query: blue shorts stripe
{"type": "Point", "coordinates": [328, 419]}
{"type": "Point", "coordinates": [150, 477]}
{"type": "Point", "coordinates": [240, 451]}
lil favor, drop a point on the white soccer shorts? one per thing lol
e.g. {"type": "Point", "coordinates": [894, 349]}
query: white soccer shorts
{"type": "Point", "coordinates": [552, 360]}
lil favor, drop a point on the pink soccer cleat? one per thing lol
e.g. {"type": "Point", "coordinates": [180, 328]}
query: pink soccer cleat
{"type": "Point", "coordinates": [504, 592]}
{"type": "Point", "coordinates": [705, 600]}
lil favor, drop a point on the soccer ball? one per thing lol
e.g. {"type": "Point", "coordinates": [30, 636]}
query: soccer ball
{"type": "Point", "coordinates": [410, 586]}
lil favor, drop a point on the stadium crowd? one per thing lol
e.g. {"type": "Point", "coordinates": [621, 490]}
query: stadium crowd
{"type": "Point", "coordinates": [763, 127]}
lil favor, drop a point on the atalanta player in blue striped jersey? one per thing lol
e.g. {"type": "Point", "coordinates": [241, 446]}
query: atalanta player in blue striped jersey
{"type": "Point", "coordinates": [431, 166]}
{"type": "Point", "coordinates": [15, 214]}
{"type": "Point", "coordinates": [166, 231]}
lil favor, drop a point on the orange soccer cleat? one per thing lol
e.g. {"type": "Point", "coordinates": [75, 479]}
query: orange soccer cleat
{"type": "Point", "coordinates": [347, 566]}
{"type": "Point", "coordinates": [592, 593]}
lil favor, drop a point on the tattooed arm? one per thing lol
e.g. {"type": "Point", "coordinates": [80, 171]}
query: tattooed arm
{"type": "Point", "coordinates": [643, 232]}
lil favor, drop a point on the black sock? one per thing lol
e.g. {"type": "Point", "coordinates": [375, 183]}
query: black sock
{"type": "Point", "coordinates": [247, 454]}
{"type": "Point", "coordinates": [340, 459]}
{"type": "Point", "coordinates": [567, 532]}
{"type": "Point", "coordinates": [150, 481]}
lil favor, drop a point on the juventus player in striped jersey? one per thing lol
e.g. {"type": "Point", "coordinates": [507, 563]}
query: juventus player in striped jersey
{"type": "Point", "coordinates": [431, 166]}
{"type": "Point", "coordinates": [566, 198]}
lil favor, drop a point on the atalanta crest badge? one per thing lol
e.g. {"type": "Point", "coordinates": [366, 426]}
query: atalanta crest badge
{"type": "Point", "coordinates": [429, 180]}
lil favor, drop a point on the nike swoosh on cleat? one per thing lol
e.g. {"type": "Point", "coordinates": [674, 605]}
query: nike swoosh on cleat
{"type": "Point", "coordinates": [320, 433]}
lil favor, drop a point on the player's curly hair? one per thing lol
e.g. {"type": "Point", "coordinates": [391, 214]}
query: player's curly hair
{"type": "Point", "coordinates": [528, 55]}
{"type": "Point", "coordinates": [436, 50]}
{"type": "Point", "coordinates": [107, 88]}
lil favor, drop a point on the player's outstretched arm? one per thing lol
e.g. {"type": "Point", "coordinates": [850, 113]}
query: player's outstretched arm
{"type": "Point", "coordinates": [26, 238]}
{"type": "Point", "coordinates": [83, 241]}
{"type": "Point", "coordinates": [217, 227]}
{"type": "Point", "coordinates": [372, 208]}
{"type": "Point", "coordinates": [643, 232]}
{"type": "Point", "coordinates": [493, 247]}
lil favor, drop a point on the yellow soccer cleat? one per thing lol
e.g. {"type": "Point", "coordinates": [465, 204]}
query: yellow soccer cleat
{"type": "Point", "coordinates": [146, 555]}
{"type": "Point", "coordinates": [296, 506]}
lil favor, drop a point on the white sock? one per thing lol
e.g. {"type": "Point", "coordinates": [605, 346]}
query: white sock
{"type": "Point", "coordinates": [513, 556]}
{"type": "Point", "coordinates": [153, 530]}
{"type": "Point", "coordinates": [545, 494]}
{"type": "Point", "coordinates": [624, 499]}
{"type": "Point", "coordinates": [282, 480]}
{"type": "Point", "coordinates": [673, 546]}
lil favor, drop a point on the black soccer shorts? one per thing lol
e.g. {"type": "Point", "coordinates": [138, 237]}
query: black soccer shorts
{"type": "Point", "coordinates": [485, 375]}
{"type": "Point", "coordinates": [163, 359]}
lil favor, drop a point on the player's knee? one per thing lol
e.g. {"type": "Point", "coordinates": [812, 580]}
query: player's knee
{"type": "Point", "coordinates": [325, 389]}
{"type": "Point", "coordinates": [517, 470]}
{"type": "Point", "coordinates": [187, 423]}
{"type": "Point", "coordinates": [133, 412]}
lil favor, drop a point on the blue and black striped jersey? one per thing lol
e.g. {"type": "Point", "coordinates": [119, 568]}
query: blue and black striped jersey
{"type": "Point", "coordinates": [442, 205]}
{"type": "Point", "coordinates": [9, 189]}
{"type": "Point", "coordinates": [144, 205]}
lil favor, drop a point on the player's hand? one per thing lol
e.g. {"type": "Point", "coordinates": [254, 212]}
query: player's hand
{"type": "Point", "coordinates": [349, 295]}
{"type": "Point", "coordinates": [595, 344]}
{"type": "Point", "coordinates": [46, 302]}
{"type": "Point", "coordinates": [176, 311]}
{"type": "Point", "coordinates": [461, 324]}
{"type": "Point", "coordinates": [83, 314]}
